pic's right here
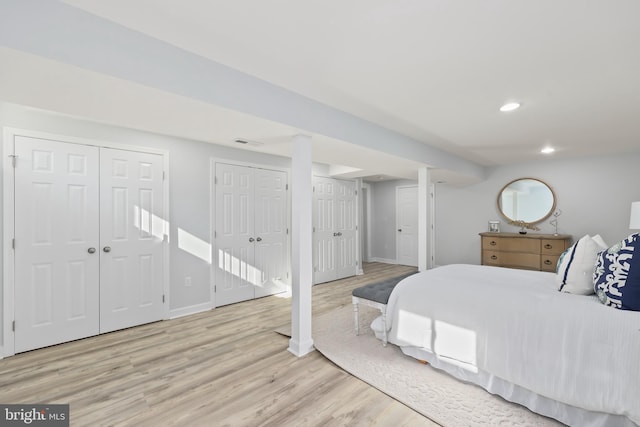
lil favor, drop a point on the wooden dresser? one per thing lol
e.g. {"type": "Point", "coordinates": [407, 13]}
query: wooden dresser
{"type": "Point", "coordinates": [526, 251]}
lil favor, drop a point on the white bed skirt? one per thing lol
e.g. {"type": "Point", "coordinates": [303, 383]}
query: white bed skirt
{"type": "Point", "coordinates": [566, 414]}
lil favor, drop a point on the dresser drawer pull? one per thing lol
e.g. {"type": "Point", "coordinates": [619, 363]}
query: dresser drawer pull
{"type": "Point", "coordinates": [494, 257]}
{"type": "Point", "coordinates": [493, 243]}
{"type": "Point", "coordinates": [547, 262]}
{"type": "Point", "coordinates": [548, 246]}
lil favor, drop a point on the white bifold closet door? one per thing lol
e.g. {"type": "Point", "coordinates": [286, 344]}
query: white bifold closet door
{"type": "Point", "coordinates": [334, 236]}
{"type": "Point", "coordinates": [87, 241]}
{"type": "Point", "coordinates": [250, 233]}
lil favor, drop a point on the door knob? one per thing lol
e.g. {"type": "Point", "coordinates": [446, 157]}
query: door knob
{"type": "Point", "coordinates": [400, 230]}
{"type": "Point", "coordinates": [107, 249]}
{"type": "Point", "coordinates": [91, 250]}
{"type": "Point", "coordinates": [251, 239]}
{"type": "Point", "coordinates": [259, 239]}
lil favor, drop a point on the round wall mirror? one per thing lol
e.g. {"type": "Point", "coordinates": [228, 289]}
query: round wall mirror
{"type": "Point", "coordinates": [526, 199]}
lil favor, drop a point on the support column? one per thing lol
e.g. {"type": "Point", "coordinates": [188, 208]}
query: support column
{"type": "Point", "coordinates": [425, 220]}
{"type": "Point", "coordinates": [301, 341]}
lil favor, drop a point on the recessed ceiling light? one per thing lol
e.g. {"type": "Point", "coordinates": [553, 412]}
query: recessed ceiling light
{"type": "Point", "coordinates": [547, 150]}
{"type": "Point", "coordinates": [510, 106]}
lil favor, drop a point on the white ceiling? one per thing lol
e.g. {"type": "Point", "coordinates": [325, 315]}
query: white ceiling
{"type": "Point", "coordinates": [434, 70]}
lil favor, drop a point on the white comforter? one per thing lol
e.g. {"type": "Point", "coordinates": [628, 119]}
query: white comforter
{"type": "Point", "coordinates": [515, 325]}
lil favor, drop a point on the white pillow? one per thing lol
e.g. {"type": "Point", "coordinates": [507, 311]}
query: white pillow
{"type": "Point", "coordinates": [576, 265]}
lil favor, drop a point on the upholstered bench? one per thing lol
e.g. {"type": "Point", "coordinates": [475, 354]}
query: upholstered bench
{"type": "Point", "coordinates": [375, 295]}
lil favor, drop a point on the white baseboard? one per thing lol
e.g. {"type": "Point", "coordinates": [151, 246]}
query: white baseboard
{"type": "Point", "coordinates": [192, 309]}
{"type": "Point", "coordinates": [384, 260]}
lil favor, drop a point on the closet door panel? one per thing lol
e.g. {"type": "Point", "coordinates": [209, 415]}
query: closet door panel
{"type": "Point", "coordinates": [271, 231]}
{"type": "Point", "coordinates": [56, 224]}
{"type": "Point", "coordinates": [324, 236]}
{"type": "Point", "coordinates": [131, 234]}
{"type": "Point", "coordinates": [346, 229]}
{"type": "Point", "coordinates": [236, 273]}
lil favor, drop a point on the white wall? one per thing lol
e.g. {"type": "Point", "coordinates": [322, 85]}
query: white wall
{"type": "Point", "coordinates": [189, 193]}
{"type": "Point", "coordinates": [382, 219]}
{"type": "Point", "coordinates": [594, 194]}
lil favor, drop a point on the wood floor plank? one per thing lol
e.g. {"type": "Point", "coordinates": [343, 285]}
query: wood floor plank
{"type": "Point", "coordinates": [224, 367]}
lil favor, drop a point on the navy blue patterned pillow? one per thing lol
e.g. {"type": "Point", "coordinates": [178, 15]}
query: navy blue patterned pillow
{"type": "Point", "coordinates": [617, 274]}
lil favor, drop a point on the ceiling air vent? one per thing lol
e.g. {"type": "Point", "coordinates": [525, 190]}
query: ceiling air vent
{"type": "Point", "coordinates": [247, 142]}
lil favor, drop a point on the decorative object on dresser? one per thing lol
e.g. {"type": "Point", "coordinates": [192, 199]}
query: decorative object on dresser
{"type": "Point", "coordinates": [524, 251]}
{"type": "Point", "coordinates": [494, 226]}
{"type": "Point", "coordinates": [554, 221]}
{"type": "Point", "coordinates": [523, 226]}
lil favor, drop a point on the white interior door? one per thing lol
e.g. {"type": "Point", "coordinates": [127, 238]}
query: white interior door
{"type": "Point", "coordinates": [270, 222]}
{"type": "Point", "coordinates": [131, 235]}
{"type": "Point", "coordinates": [56, 227]}
{"type": "Point", "coordinates": [407, 225]}
{"type": "Point", "coordinates": [236, 272]}
{"type": "Point", "coordinates": [345, 225]}
{"type": "Point", "coordinates": [324, 235]}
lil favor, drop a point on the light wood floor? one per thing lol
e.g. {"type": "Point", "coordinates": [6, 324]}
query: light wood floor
{"type": "Point", "coordinates": [224, 367]}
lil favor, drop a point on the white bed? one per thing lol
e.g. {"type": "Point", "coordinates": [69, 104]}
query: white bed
{"type": "Point", "coordinates": [510, 331]}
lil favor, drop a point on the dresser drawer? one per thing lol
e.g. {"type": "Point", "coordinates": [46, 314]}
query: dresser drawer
{"type": "Point", "coordinates": [512, 259]}
{"type": "Point", "coordinates": [549, 263]}
{"type": "Point", "coordinates": [509, 244]}
{"type": "Point", "coordinates": [553, 246]}
{"type": "Point", "coordinates": [528, 251]}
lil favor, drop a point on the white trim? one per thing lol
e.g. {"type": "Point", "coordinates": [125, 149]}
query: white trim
{"type": "Point", "coordinates": [8, 204]}
{"type": "Point", "coordinates": [187, 311]}
{"type": "Point", "coordinates": [384, 260]}
{"type": "Point", "coordinates": [359, 231]}
{"type": "Point", "coordinates": [212, 232]}
{"type": "Point", "coordinates": [8, 234]}
{"type": "Point", "coordinates": [212, 216]}
{"type": "Point", "coordinates": [367, 211]}
{"type": "Point", "coordinates": [398, 187]}
{"type": "Point", "coordinates": [425, 236]}
{"type": "Point", "coordinates": [431, 227]}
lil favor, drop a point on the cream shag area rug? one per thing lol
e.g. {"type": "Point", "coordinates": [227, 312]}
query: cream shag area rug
{"type": "Point", "coordinates": [433, 393]}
